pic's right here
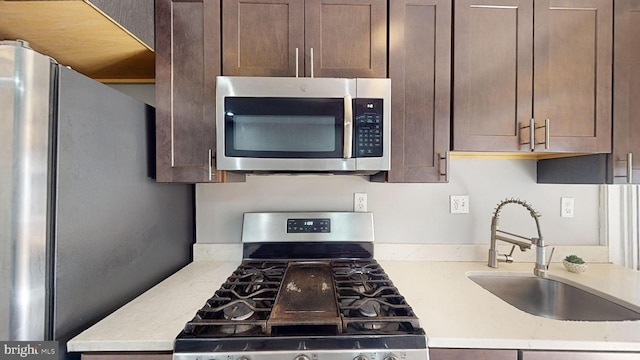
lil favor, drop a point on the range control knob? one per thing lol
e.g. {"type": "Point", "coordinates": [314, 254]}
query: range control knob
{"type": "Point", "coordinates": [391, 357]}
{"type": "Point", "coordinates": [243, 358]}
{"type": "Point", "coordinates": [360, 357]}
{"type": "Point", "coordinates": [301, 357]}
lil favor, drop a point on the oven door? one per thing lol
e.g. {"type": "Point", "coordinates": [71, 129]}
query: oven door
{"type": "Point", "coordinates": [284, 124]}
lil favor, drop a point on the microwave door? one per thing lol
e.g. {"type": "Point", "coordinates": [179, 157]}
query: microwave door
{"type": "Point", "coordinates": [287, 134]}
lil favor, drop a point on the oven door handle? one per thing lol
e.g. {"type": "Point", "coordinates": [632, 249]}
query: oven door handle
{"type": "Point", "coordinates": [348, 128]}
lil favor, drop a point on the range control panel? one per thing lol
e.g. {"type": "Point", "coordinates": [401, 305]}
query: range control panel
{"type": "Point", "coordinates": [308, 225]}
{"type": "Point", "coordinates": [368, 127]}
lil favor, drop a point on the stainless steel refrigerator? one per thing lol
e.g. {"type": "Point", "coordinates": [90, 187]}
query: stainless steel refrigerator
{"type": "Point", "coordinates": [83, 227]}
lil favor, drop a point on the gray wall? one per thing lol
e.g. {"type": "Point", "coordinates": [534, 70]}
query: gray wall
{"type": "Point", "coordinates": [411, 213]}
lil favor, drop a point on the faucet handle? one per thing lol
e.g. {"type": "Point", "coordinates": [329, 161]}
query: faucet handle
{"type": "Point", "coordinates": [508, 258]}
{"type": "Point", "coordinates": [550, 257]}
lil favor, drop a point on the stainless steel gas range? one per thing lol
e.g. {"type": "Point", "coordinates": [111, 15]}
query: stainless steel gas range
{"type": "Point", "coordinates": [308, 288]}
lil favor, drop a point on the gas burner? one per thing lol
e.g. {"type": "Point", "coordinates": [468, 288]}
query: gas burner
{"type": "Point", "coordinates": [358, 270]}
{"type": "Point", "coordinates": [362, 289]}
{"type": "Point", "coordinates": [388, 326]}
{"type": "Point", "coordinates": [361, 283]}
{"type": "Point", "coordinates": [369, 290]}
{"type": "Point", "coordinates": [353, 268]}
{"type": "Point", "coordinates": [359, 275]}
{"type": "Point", "coordinates": [239, 310]}
{"type": "Point", "coordinates": [259, 294]}
{"type": "Point", "coordinates": [254, 280]}
{"type": "Point", "coordinates": [271, 269]}
{"type": "Point", "coordinates": [257, 273]}
{"type": "Point", "coordinates": [370, 309]}
{"type": "Point", "coordinates": [238, 329]}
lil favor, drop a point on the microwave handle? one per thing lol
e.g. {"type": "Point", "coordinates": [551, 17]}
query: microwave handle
{"type": "Point", "coordinates": [348, 127]}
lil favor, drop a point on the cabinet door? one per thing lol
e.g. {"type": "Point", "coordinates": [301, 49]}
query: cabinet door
{"type": "Point", "coordinates": [472, 354]}
{"type": "Point", "coordinates": [260, 37]}
{"type": "Point", "coordinates": [348, 37]}
{"type": "Point", "coordinates": [419, 68]}
{"type": "Point", "coordinates": [572, 74]}
{"type": "Point", "coordinates": [492, 82]}
{"type": "Point", "coordinates": [575, 355]}
{"type": "Point", "coordinates": [187, 61]}
{"type": "Point", "coordinates": [626, 107]}
{"type": "Point", "coordinates": [127, 356]}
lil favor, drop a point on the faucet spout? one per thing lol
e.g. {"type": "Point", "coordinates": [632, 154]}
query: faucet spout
{"type": "Point", "coordinates": [510, 239]}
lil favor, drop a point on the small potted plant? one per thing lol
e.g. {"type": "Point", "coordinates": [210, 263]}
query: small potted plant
{"type": "Point", "coordinates": [574, 264]}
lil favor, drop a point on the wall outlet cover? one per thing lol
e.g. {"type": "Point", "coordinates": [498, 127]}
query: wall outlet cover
{"type": "Point", "coordinates": [567, 207]}
{"type": "Point", "coordinates": [359, 202]}
{"type": "Point", "coordinates": [459, 204]}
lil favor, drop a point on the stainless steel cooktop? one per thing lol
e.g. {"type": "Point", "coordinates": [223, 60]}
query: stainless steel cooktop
{"type": "Point", "coordinates": [308, 288]}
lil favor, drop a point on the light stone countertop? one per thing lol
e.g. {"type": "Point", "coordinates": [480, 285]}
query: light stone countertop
{"type": "Point", "coordinates": [454, 311]}
{"type": "Point", "coordinates": [152, 321]}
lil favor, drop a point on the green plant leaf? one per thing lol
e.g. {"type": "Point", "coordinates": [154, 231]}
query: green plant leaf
{"type": "Point", "coordinates": [574, 259]}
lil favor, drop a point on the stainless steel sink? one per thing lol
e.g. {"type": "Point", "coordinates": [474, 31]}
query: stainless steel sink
{"type": "Point", "coordinates": [554, 299]}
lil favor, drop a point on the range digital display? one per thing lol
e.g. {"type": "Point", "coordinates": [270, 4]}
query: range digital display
{"type": "Point", "coordinates": [308, 226]}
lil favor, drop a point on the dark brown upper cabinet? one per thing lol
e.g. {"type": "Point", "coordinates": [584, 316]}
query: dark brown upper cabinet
{"type": "Point", "coordinates": [623, 164]}
{"type": "Point", "coordinates": [514, 62]}
{"type": "Point", "coordinates": [472, 354]}
{"type": "Point", "coordinates": [626, 107]}
{"type": "Point", "coordinates": [187, 63]}
{"type": "Point", "coordinates": [419, 68]}
{"type": "Point", "coordinates": [348, 38]}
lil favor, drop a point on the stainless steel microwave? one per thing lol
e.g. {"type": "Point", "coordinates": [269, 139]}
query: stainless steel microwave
{"type": "Point", "coordinates": [278, 124]}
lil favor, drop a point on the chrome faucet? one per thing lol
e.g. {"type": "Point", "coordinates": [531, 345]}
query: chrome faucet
{"type": "Point", "coordinates": [542, 264]}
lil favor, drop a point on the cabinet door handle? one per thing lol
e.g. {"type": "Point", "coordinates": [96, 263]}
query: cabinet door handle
{"type": "Point", "coordinates": [629, 174]}
{"type": "Point", "coordinates": [546, 134]}
{"type": "Point", "coordinates": [348, 128]}
{"type": "Point", "coordinates": [440, 159]}
{"type": "Point", "coordinates": [532, 134]}
{"type": "Point", "coordinates": [210, 164]}
{"type": "Point", "coordinates": [311, 52]}
{"type": "Point", "coordinates": [630, 168]}
{"type": "Point", "coordinates": [297, 64]}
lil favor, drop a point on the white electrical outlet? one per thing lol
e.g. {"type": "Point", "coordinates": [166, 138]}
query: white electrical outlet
{"type": "Point", "coordinates": [459, 204]}
{"type": "Point", "coordinates": [567, 207]}
{"type": "Point", "coordinates": [359, 202]}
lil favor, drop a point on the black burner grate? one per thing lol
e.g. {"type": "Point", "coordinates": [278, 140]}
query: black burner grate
{"type": "Point", "coordinates": [369, 302]}
{"type": "Point", "coordinates": [366, 300]}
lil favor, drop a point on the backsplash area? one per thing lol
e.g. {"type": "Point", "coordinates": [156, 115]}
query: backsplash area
{"type": "Point", "coordinates": [412, 213]}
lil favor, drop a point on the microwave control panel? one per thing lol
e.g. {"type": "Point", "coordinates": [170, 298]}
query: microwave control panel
{"type": "Point", "coordinates": [368, 127]}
